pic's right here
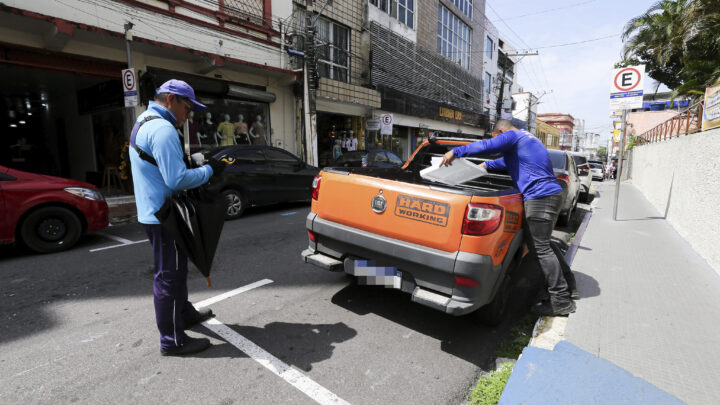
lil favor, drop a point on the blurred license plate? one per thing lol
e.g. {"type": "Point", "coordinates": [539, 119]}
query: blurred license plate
{"type": "Point", "coordinates": [369, 273]}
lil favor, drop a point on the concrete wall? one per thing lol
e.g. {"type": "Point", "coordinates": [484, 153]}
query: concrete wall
{"type": "Point", "coordinates": [680, 178]}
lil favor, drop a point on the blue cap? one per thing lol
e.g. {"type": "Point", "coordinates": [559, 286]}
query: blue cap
{"type": "Point", "coordinates": [183, 89]}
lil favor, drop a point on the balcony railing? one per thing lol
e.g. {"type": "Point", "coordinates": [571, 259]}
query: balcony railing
{"type": "Point", "coordinates": [686, 122]}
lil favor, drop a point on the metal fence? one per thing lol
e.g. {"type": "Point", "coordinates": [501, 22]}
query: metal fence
{"type": "Point", "coordinates": [686, 122]}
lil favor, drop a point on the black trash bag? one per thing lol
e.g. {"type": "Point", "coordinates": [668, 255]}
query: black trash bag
{"type": "Point", "coordinates": [195, 218]}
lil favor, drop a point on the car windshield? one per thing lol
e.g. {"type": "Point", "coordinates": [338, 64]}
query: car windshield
{"type": "Point", "coordinates": [579, 160]}
{"type": "Point", "coordinates": [595, 166]}
{"type": "Point", "coordinates": [558, 159]}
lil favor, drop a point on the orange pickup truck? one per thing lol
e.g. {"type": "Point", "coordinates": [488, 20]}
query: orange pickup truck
{"type": "Point", "coordinates": [452, 247]}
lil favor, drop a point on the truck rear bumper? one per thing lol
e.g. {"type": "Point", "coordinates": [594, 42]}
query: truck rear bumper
{"type": "Point", "coordinates": [448, 304]}
{"type": "Point", "coordinates": [433, 271]}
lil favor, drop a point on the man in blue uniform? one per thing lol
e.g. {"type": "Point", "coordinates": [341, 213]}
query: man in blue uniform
{"type": "Point", "coordinates": [159, 170]}
{"type": "Point", "coordinates": [529, 165]}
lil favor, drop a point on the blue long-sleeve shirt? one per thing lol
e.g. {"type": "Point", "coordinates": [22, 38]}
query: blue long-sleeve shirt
{"type": "Point", "coordinates": [159, 139]}
{"type": "Point", "coordinates": [524, 157]}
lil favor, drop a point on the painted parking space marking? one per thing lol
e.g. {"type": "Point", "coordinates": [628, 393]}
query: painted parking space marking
{"type": "Point", "coordinates": [232, 293]}
{"type": "Point", "coordinates": [116, 238]}
{"type": "Point", "coordinates": [303, 383]}
{"type": "Point", "coordinates": [116, 246]}
{"type": "Point", "coordinates": [285, 214]}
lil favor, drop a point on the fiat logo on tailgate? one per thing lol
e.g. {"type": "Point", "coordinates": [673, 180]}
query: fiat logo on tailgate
{"type": "Point", "coordinates": [378, 204]}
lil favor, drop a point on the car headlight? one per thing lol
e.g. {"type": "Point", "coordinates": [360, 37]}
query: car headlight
{"type": "Point", "coordinates": [88, 193]}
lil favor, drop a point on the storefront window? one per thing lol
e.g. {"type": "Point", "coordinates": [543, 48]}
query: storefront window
{"type": "Point", "coordinates": [229, 122]}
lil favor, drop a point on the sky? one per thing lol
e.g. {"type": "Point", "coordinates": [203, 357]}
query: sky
{"type": "Point", "coordinates": [575, 78]}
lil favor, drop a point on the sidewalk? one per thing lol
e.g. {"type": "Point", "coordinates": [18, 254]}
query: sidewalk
{"type": "Point", "coordinates": [649, 308]}
{"type": "Point", "coordinates": [121, 209]}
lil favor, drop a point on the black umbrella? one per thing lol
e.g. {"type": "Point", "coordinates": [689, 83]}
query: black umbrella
{"type": "Point", "coordinates": [195, 219]}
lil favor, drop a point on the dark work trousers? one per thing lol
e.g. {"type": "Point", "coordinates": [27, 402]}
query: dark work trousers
{"type": "Point", "coordinates": [540, 217]}
{"type": "Point", "coordinates": [172, 308]}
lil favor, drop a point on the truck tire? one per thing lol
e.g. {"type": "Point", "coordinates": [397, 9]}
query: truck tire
{"type": "Point", "coordinates": [50, 229]}
{"type": "Point", "coordinates": [493, 313]}
{"type": "Point", "coordinates": [236, 203]}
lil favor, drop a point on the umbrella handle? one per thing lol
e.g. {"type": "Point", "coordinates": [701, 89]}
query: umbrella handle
{"type": "Point", "coordinates": [208, 282]}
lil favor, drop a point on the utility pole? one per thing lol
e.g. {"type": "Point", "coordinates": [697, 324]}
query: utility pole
{"type": "Point", "coordinates": [310, 85]}
{"type": "Point", "coordinates": [309, 93]}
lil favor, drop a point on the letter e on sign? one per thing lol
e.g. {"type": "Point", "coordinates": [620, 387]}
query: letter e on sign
{"type": "Point", "coordinates": [129, 87]}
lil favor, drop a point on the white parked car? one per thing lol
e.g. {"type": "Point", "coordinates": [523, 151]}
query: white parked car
{"type": "Point", "coordinates": [596, 170]}
{"type": "Point", "coordinates": [583, 172]}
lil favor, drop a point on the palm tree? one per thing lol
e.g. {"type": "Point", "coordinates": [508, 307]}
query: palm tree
{"type": "Point", "coordinates": [679, 43]}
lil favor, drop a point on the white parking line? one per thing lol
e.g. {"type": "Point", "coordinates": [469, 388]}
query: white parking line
{"type": "Point", "coordinates": [115, 246]}
{"type": "Point", "coordinates": [295, 378]}
{"type": "Point", "coordinates": [232, 293]}
{"type": "Point", "coordinates": [116, 238]}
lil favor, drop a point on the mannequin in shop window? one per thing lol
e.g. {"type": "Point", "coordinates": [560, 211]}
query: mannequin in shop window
{"type": "Point", "coordinates": [226, 132]}
{"type": "Point", "coordinates": [337, 150]}
{"type": "Point", "coordinates": [241, 130]}
{"type": "Point", "coordinates": [193, 131]}
{"type": "Point", "coordinates": [332, 135]}
{"type": "Point", "coordinates": [257, 132]}
{"type": "Point", "coordinates": [205, 129]}
{"type": "Point", "coordinates": [343, 143]}
{"type": "Point", "coordinates": [352, 142]}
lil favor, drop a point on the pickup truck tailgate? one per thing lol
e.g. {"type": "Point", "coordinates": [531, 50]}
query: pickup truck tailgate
{"type": "Point", "coordinates": [409, 212]}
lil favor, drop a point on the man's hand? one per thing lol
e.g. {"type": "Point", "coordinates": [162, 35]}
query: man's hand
{"type": "Point", "coordinates": [448, 158]}
{"type": "Point", "coordinates": [217, 166]}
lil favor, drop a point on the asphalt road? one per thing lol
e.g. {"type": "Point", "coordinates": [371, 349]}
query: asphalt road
{"type": "Point", "coordinates": [78, 327]}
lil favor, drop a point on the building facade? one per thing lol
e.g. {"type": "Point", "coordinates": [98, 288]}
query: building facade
{"type": "Point", "coordinates": [62, 88]}
{"type": "Point", "coordinates": [499, 73]}
{"type": "Point", "coordinates": [547, 134]}
{"type": "Point", "coordinates": [426, 62]}
{"type": "Point", "coordinates": [565, 123]}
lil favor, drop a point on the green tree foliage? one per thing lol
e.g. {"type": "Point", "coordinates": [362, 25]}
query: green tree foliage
{"type": "Point", "coordinates": [678, 41]}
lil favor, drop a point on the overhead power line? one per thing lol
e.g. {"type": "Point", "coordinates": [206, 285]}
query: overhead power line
{"type": "Point", "coordinates": [578, 42]}
{"type": "Point", "coordinates": [549, 10]}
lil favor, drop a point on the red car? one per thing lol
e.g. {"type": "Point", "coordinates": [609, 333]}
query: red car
{"type": "Point", "coordinates": [47, 214]}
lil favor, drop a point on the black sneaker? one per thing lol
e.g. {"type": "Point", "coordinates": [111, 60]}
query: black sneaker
{"type": "Point", "coordinates": [202, 316]}
{"type": "Point", "coordinates": [189, 346]}
{"type": "Point", "coordinates": [574, 293]}
{"type": "Point", "coordinates": [553, 308]}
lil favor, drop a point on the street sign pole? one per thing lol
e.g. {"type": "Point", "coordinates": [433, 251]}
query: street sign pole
{"type": "Point", "coordinates": [618, 173]}
{"type": "Point", "coordinates": [626, 92]}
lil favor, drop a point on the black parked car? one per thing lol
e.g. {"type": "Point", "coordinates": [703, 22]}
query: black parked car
{"type": "Point", "coordinates": [364, 158]}
{"type": "Point", "coordinates": [262, 175]}
{"type": "Point", "coordinates": [568, 177]}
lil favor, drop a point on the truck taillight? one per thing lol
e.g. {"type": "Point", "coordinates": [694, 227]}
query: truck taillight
{"type": "Point", "coordinates": [312, 236]}
{"type": "Point", "coordinates": [481, 219]}
{"type": "Point", "coordinates": [565, 178]}
{"type": "Point", "coordinates": [462, 281]}
{"type": "Point", "coordinates": [316, 187]}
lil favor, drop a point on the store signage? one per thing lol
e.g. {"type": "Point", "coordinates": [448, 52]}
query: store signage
{"type": "Point", "coordinates": [626, 90]}
{"type": "Point", "coordinates": [130, 87]}
{"type": "Point", "coordinates": [450, 113]}
{"type": "Point", "coordinates": [372, 125]}
{"type": "Point", "coordinates": [711, 113]}
{"type": "Point", "coordinates": [386, 124]}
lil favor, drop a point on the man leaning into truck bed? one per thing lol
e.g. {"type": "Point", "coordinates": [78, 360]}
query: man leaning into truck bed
{"type": "Point", "coordinates": [529, 165]}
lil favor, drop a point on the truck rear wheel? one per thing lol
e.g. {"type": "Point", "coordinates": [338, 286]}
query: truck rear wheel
{"type": "Point", "coordinates": [493, 313]}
